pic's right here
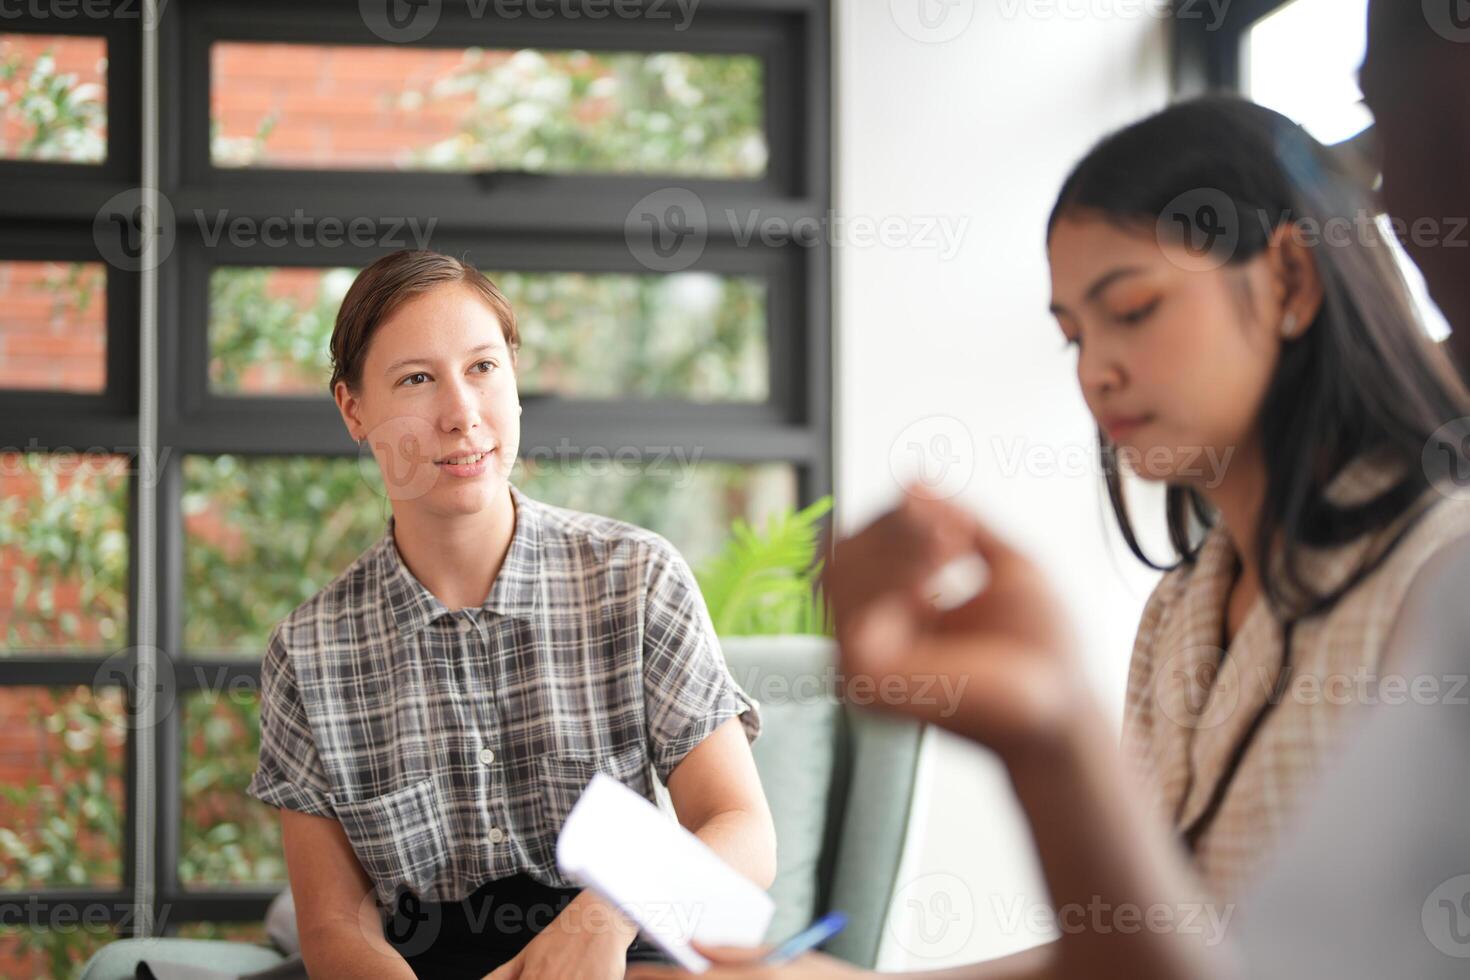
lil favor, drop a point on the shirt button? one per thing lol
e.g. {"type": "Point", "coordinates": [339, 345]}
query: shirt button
{"type": "Point", "coordinates": [487, 756]}
{"type": "Point", "coordinates": [496, 835]}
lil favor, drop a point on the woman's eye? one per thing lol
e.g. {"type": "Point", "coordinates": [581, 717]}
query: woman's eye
{"type": "Point", "coordinates": [1138, 314]}
{"type": "Point", "coordinates": [406, 380]}
{"type": "Point", "coordinates": [491, 363]}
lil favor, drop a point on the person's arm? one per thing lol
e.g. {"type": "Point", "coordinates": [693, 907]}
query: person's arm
{"type": "Point", "coordinates": [1098, 844]}
{"type": "Point", "coordinates": [338, 921]}
{"type": "Point", "coordinates": [717, 795]}
{"type": "Point", "coordinates": [336, 916]}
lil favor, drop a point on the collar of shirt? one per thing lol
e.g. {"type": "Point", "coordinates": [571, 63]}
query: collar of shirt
{"type": "Point", "coordinates": [516, 592]}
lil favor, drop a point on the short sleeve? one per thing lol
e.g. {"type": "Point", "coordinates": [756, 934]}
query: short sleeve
{"type": "Point", "coordinates": [688, 690]}
{"type": "Point", "coordinates": [289, 773]}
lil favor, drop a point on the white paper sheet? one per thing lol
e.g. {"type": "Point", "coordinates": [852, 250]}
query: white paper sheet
{"type": "Point", "coordinates": [660, 875]}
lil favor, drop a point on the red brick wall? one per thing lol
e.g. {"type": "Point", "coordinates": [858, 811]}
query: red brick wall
{"type": "Point", "coordinates": [335, 105]}
{"type": "Point", "coordinates": [46, 340]}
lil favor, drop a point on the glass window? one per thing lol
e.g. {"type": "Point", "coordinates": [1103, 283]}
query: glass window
{"type": "Point", "coordinates": [264, 535]}
{"type": "Point", "coordinates": [227, 837]}
{"type": "Point", "coordinates": [63, 552]}
{"type": "Point", "coordinates": [689, 502]}
{"type": "Point", "coordinates": [1317, 85]}
{"type": "Point", "coordinates": [1303, 59]}
{"type": "Point", "coordinates": [261, 536]}
{"type": "Point", "coordinates": [53, 326]}
{"type": "Point", "coordinates": [418, 108]}
{"type": "Point", "coordinates": [53, 98]}
{"type": "Point", "coordinates": [269, 329]}
{"type": "Point", "coordinates": [693, 336]}
{"type": "Point", "coordinates": [61, 766]}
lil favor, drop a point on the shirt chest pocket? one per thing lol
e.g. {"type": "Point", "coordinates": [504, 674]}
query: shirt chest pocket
{"type": "Point", "coordinates": [398, 838]}
{"type": "Point", "coordinates": [563, 778]}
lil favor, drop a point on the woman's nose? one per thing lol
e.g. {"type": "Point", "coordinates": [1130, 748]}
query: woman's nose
{"type": "Point", "coordinates": [460, 408]}
{"type": "Point", "coordinates": [1098, 373]}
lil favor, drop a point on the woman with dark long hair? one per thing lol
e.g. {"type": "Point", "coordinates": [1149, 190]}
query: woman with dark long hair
{"type": "Point", "coordinates": [1244, 337]}
{"type": "Point", "coordinates": [1232, 299]}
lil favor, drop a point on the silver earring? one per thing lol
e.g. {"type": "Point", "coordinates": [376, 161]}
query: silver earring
{"type": "Point", "coordinates": [1288, 326]}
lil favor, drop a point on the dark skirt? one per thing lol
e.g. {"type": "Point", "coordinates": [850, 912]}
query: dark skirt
{"type": "Point", "coordinates": [484, 930]}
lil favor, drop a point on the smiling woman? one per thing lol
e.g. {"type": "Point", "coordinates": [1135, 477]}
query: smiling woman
{"type": "Point", "coordinates": [429, 717]}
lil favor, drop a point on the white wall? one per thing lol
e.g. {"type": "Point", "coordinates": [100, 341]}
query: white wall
{"type": "Point", "coordinates": [975, 134]}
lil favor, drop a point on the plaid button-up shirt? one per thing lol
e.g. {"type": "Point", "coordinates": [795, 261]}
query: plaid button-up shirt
{"type": "Point", "coordinates": [451, 745]}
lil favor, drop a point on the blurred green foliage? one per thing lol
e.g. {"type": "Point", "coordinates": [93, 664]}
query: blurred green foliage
{"type": "Point", "coordinates": [668, 113]}
{"type": "Point", "coordinates": [672, 113]}
{"type": "Point", "coordinates": [64, 830]}
{"type": "Point", "coordinates": [57, 116]}
{"type": "Point", "coordinates": [692, 335]}
{"type": "Point", "coordinates": [70, 528]}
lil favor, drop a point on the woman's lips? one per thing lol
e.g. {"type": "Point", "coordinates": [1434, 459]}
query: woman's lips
{"type": "Point", "coordinates": [1118, 427]}
{"type": "Point", "coordinates": [468, 469]}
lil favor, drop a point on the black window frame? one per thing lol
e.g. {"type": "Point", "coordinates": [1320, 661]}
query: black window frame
{"type": "Point", "coordinates": [46, 214]}
{"type": "Point", "coordinates": [542, 222]}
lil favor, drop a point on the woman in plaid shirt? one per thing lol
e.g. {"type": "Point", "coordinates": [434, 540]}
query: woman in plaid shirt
{"type": "Point", "coordinates": [430, 716]}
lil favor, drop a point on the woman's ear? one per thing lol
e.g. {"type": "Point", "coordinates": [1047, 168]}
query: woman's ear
{"type": "Point", "coordinates": [347, 405]}
{"type": "Point", "coordinates": [1298, 282]}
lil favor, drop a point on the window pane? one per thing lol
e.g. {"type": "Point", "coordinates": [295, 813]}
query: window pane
{"type": "Point", "coordinates": [61, 763]}
{"type": "Point", "coordinates": [269, 329]}
{"type": "Point", "coordinates": [691, 504]}
{"type": "Point", "coordinates": [63, 552]}
{"type": "Point", "coordinates": [416, 108]}
{"type": "Point", "coordinates": [227, 837]}
{"type": "Point", "coordinates": [53, 326]}
{"type": "Point", "coordinates": [692, 336]}
{"type": "Point", "coordinates": [53, 98]}
{"type": "Point", "coordinates": [1315, 83]}
{"type": "Point", "coordinates": [261, 536]}
{"type": "Point", "coordinates": [45, 954]}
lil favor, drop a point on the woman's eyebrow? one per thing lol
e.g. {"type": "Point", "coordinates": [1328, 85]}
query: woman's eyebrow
{"type": "Point", "coordinates": [1102, 283]}
{"type": "Point", "coordinates": [407, 361]}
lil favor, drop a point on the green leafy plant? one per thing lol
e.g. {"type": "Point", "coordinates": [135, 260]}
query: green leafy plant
{"type": "Point", "coordinates": [765, 582]}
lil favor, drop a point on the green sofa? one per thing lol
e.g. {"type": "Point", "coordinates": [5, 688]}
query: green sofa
{"type": "Point", "coordinates": [840, 782]}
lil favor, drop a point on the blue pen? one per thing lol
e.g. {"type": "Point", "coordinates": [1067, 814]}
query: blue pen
{"type": "Point", "coordinates": [811, 937]}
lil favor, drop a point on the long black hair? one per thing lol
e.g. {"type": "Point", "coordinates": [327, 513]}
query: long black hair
{"type": "Point", "coordinates": [1365, 378]}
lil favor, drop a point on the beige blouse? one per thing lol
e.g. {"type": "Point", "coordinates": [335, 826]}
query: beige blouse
{"type": "Point", "coordinates": [1195, 713]}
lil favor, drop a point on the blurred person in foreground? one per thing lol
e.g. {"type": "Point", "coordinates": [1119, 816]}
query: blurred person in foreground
{"type": "Point", "coordinates": [1374, 880]}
